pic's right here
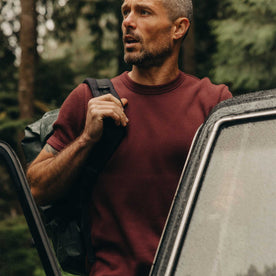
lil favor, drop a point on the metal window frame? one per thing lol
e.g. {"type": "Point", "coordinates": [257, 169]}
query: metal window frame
{"type": "Point", "coordinates": [196, 186]}
{"type": "Point", "coordinates": [30, 210]}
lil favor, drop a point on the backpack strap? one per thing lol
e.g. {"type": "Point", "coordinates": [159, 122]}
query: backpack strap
{"type": "Point", "coordinates": [112, 134]}
{"type": "Point", "coordinates": [101, 87]}
{"type": "Point", "coordinates": [111, 138]}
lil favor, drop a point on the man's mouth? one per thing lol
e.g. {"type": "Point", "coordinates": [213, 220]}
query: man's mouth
{"type": "Point", "coordinates": [129, 40]}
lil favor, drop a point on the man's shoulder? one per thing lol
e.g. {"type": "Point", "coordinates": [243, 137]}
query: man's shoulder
{"type": "Point", "coordinates": [205, 84]}
{"type": "Point", "coordinates": [205, 81]}
{"type": "Point", "coordinates": [206, 91]}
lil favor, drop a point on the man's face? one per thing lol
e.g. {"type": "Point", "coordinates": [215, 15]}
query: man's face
{"type": "Point", "coordinates": [147, 32]}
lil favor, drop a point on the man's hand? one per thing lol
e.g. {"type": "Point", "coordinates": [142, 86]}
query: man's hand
{"type": "Point", "coordinates": [99, 108]}
{"type": "Point", "coordinates": [52, 174]}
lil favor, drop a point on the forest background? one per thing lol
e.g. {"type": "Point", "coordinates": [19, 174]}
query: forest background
{"type": "Point", "coordinates": [47, 47]}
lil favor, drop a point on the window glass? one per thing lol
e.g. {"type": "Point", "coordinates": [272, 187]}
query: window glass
{"type": "Point", "coordinates": [233, 228]}
{"type": "Point", "coordinates": [18, 256]}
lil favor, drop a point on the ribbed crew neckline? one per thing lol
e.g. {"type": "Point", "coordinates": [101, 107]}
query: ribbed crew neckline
{"type": "Point", "coordinates": [152, 89]}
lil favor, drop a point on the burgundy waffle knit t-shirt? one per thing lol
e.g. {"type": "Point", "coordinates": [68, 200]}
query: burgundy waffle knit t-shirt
{"type": "Point", "coordinates": [133, 194]}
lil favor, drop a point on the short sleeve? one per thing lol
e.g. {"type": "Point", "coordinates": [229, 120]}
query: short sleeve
{"type": "Point", "coordinates": [212, 94]}
{"type": "Point", "coordinates": [225, 94]}
{"type": "Point", "coordinates": [71, 119]}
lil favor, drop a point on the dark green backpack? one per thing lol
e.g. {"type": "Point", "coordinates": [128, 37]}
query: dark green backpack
{"type": "Point", "coordinates": [67, 221]}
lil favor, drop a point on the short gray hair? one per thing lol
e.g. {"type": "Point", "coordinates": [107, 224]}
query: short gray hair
{"type": "Point", "coordinates": [179, 8]}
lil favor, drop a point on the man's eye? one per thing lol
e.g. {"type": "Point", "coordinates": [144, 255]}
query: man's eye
{"type": "Point", "coordinates": [144, 12]}
{"type": "Point", "coordinates": [125, 13]}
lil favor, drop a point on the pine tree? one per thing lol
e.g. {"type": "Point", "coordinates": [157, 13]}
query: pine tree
{"type": "Point", "coordinates": [246, 44]}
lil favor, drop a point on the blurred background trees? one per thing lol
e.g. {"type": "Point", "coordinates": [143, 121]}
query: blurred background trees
{"type": "Point", "coordinates": [64, 41]}
{"type": "Point", "coordinates": [47, 47]}
{"type": "Point", "coordinates": [246, 44]}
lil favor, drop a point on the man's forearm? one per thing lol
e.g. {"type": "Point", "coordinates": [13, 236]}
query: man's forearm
{"type": "Point", "coordinates": [52, 175]}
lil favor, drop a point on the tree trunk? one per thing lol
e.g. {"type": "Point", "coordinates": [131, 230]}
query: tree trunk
{"type": "Point", "coordinates": [28, 59]}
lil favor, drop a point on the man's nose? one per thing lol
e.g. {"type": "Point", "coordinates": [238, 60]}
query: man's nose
{"type": "Point", "coordinates": [129, 21]}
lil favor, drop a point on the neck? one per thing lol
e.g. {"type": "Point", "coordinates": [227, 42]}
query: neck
{"type": "Point", "coordinates": [154, 75]}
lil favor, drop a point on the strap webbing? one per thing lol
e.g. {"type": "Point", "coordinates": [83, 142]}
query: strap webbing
{"type": "Point", "coordinates": [99, 156]}
{"type": "Point", "coordinates": [101, 87]}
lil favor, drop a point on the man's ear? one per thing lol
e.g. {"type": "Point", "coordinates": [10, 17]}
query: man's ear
{"type": "Point", "coordinates": [181, 27]}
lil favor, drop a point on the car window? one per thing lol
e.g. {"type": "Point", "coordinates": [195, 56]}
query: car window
{"type": "Point", "coordinates": [21, 226]}
{"type": "Point", "coordinates": [233, 228]}
{"type": "Point", "coordinates": [18, 256]}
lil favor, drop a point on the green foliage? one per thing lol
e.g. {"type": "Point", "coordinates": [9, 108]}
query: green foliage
{"type": "Point", "coordinates": [104, 20]}
{"type": "Point", "coordinates": [8, 70]}
{"type": "Point", "coordinates": [205, 45]}
{"type": "Point", "coordinates": [55, 79]}
{"type": "Point", "coordinates": [64, 16]}
{"type": "Point", "coordinates": [10, 124]}
{"type": "Point", "coordinates": [8, 201]}
{"type": "Point", "coordinates": [17, 254]}
{"type": "Point", "coordinates": [246, 44]}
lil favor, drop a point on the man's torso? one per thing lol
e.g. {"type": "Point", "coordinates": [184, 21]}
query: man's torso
{"type": "Point", "coordinates": [133, 194]}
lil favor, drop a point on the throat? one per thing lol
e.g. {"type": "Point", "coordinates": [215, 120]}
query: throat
{"type": "Point", "coordinates": [153, 76]}
{"type": "Point", "coordinates": [157, 70]}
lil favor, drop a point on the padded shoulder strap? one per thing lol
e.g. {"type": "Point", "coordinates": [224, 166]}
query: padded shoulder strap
{"type": "Point", "coordinates": [101, 87]}
{"type": "Point", "coordinates": [112, 134]}
{"type": "Point", "coordinates": [99, 156]}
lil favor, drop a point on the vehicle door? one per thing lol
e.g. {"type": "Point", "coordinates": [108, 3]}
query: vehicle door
{"type": "Point", "coordinates": [223, 219]}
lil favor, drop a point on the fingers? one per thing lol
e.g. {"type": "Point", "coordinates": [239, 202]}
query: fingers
{"type": "Point", "coordinates": [108, 106]}
{"type": "Point", "coordinates": [100, 111]}
{"type": "Point", "coordinates": [99, 108]}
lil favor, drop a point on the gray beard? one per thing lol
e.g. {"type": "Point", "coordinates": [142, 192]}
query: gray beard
{"type": "Point", "coordinates": [149, 59]}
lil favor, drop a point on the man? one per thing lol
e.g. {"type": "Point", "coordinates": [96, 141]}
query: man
{"type": "Point", "coordinates": [161, 109]}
